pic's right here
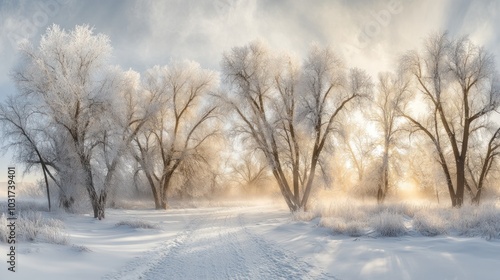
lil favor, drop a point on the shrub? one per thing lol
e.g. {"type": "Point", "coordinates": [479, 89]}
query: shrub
{"type": "Point", "coordinates": [429, 224]}
{"type": "Point", "coordinates": [355, 218]}
{"type": "Point", "coordinates": [302, 215]}
{"type": "Point", "coordinates": [481, 221]}
{"type": "Point", "coordinates": [341, 226]}
{"type": "Point", "coordinates": [137, 224]}
{"type": "Point", "coordinates": [32, 226]}
{"type": "Point", "coordinates": [53, 235]}
{"type": "Point", "coordinates": [389, 224]}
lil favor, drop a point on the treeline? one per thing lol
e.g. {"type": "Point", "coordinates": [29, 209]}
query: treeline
{"type": "Point", "coordinates": [94, 129]}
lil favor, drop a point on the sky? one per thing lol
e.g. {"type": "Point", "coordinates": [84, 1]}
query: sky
{"type": "Point", "coordinates": [368, 34]}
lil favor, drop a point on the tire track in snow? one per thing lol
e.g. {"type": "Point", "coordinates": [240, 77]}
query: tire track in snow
{"type": "Point", "coordinates": [136, 268]}
{"type": "Point", "coordinates": [210, 253]}
{"type": "Point", "coordinates": [223, 248]}
{"type": "Point", "coordinates": [277, 263]}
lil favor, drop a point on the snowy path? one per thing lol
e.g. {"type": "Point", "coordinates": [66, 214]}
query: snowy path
{"type": "Point", "coordinates": [218, 245]}
{"type": "Point", "coordinates": [243, 242]}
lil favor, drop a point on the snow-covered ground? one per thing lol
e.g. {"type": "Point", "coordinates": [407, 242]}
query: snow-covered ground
{"type": "Point", "coordinates": [242, 242]}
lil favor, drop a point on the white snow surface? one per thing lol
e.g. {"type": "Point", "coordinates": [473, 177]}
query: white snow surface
{"type": "Point", "coordinates": [246, 242]}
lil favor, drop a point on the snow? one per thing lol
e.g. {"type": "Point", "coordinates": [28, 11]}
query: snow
{"type": "Point", "coordinates": [243, 242]}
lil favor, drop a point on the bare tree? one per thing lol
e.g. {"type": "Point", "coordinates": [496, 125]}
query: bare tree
{"type": "Point", "coordinates": [289, 112]}
{"type": "Point", "coordinates": [182, 126]}
{"type": "Point", "coordinates": [479, 164]}
{"type": "Point", "coordinates": [358, 146]}
{"type": "Point", "coordinates": [458, 84]}
{"type": "Point", "coordinates": [390, 99]}
{"type": "Point", "coordinates": [22, 130]}
{"type": "Point", "coordinates": [250, 172]}
{"type": "Point", "coordinates": [422, 167]}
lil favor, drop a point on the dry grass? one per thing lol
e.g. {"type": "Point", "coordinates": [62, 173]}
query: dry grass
{"type": "Point", "coordinates": [355, 218]}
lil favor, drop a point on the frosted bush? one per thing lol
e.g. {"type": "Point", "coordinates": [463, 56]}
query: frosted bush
{"type": "Point", "coordinates": [481, 221]}
{"type": "Point", "coordinates": [389, 224]}
{"type": "Point", "coordinates": [337, 225]}
{"type": "Point", "coordinates": [348, 210]}
{"type": "Point", "coordinates": [354, 218]}
{"type": "Point", "coordinates": [407, 209]}
{"type": "Point", "coordinates": [32, 226]}
{"type": "Point", "coordinates": [53, 223]}
{"type": "Point", "coordinates": [489, 221]}
{"type": "Point", "coordinates": [137, 224]}
{"type": "Point", "coordinates": [401, 208]}
{"type": "Point", "coordinates": [428, 223]}
{"type": "Point", "coordinates": [341, 226]}
{"type": "Point", "coordinates": [304, 215]}
{"type": "Point", "coordinates": [355, 228]}
{"type": "Point", "coordinates": [490, 232]}
{"type": "Point", "coordinates": [29, 225]}
{"type": "Point", "coordinates": [53, 235]}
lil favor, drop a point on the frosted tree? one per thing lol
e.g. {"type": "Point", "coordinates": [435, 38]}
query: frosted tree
{"type": "Point", "coordinates": [65, 74]}
{"type": "Point", "coordinates": [24, 128]}
{"type": "Point", "coordinates": [358, 150]}
{"type": "Point", "coordinates": [128, 110]}
{"type": "Point", "coordinates": [287, 111]}
{"type": "Point", "coordinates": [483, 159]}
{"type": "Point", "coordinates": [459, 86]}
{"type": "Point", "coordinates": [250, 173]}
{"type": "Point", "coordinates": [390, 98]}
{"type": "Point", "coordinates": [182, 127]}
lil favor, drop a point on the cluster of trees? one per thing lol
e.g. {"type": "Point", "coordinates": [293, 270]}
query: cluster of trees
{"type": "Point", "coordinates": [90, 127]}
{"type": "Point", "coordinates": [82, 121]}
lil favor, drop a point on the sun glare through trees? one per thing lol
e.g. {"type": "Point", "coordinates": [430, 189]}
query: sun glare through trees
{"type": "Point", "coordinates": [250, 139]}
{"type": "Point", "coordinates": [307, 123]}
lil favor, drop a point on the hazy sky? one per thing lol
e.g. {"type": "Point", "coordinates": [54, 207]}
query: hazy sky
{"type": "Point", "coordinates": [370, 34]}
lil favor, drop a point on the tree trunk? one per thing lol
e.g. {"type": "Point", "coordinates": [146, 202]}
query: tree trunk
{"type": "Point", "coordinates": [289, 200]}
{"type": "Point", "coordinates": [166, 185]}
{"type": "Point", "coordinates": [296, 182]}
{"type": "Point", "coordinates": [103, 195]}
{"type": "Point", "coordinates": [164, 205]}
{"type": "Point", "coordinates": [163, 201]}
{"type": "Point", "coordinates": [286, 195]}
{"type": "Point", "coordinates": [383, 186]}
{"type": "Point", "coordinates": [156, 197]}
{"type": "Point", "coordinates": [154, 190]}
{"type": "Point", "coordinates": [477, 198]}
{"type": "Point", "coordinates": [46, 183]}
{"type": "Point", "coordinates": [459, 197]}
{"type": "Point", "coordinates": [449, 182]}
{"type": "Point", "coordinates": [157, 202]}
{"type": "Point", "coordinates": [94, 201]}
{"type": "Point", "coordinates": [94, 198]}
{"type": "Point", "coordinates": [310, 180]}
{"type": "Point", "coordinates": [65, 202]}
{"type": "Point", "coordinates": [380, 194]}
{"type": "Point", "coordinates": [386, 177]}
{"type": "Point", "coordinates": [101, 204]}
